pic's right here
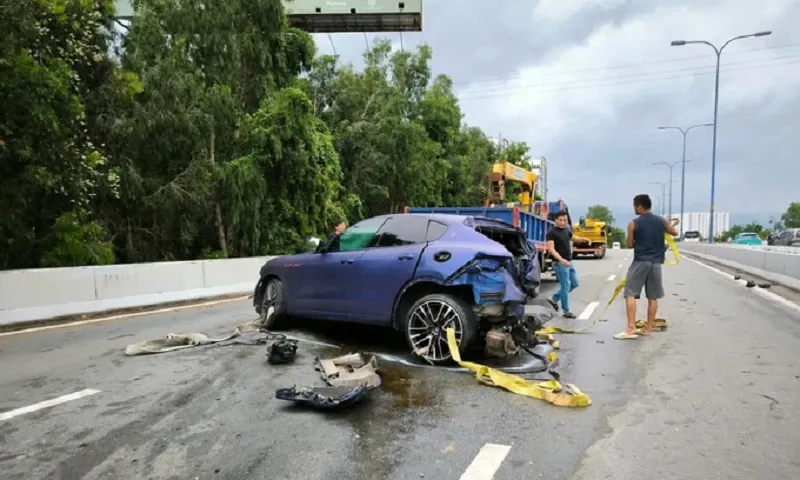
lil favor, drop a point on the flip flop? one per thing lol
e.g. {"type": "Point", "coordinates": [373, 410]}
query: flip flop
{"type": "Point", "coordinates": [626, 336]}
{"type": "Point", "coordinates": [640, 331]}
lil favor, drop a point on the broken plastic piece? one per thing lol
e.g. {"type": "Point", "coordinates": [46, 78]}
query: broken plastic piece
{"type": "Point", "coordinates": [349, 371]}
{"type": "Point", "coordinates": [282, 351]}
{"type": "Point", "coordinates": [326, 398]}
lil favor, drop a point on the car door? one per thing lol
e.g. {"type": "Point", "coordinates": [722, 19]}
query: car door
{"type": "Point", "coordinates": [328, 277]}
{"type": "Point", "coordinates": [387, 266]}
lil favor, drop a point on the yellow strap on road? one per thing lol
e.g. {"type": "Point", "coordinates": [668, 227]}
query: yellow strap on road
{"type": "Point", "coordinates": [546, 331]}
{"type": "Point", "coordinates": [550, 391]}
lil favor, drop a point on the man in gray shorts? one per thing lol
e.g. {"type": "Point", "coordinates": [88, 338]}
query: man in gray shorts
{"type": "Point", "coordinates": [646, 237]}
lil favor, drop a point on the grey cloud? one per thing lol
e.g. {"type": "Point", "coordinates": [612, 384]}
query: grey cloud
{"type": "Point", "coordinates": [607, 160]}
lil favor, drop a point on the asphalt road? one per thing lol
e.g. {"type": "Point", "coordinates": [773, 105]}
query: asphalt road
{"type": "Point", "coordinates": [710, 398]}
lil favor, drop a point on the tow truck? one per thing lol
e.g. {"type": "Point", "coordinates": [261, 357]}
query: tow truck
{"type": "Point", "coordinates": [596, 232]}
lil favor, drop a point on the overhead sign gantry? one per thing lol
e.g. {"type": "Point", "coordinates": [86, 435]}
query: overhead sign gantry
{"type": "Point", "coordinates": [339, 16]}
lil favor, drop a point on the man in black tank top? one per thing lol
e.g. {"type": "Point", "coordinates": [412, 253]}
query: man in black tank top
{"type": "Point", "coordinates": [646, 236]}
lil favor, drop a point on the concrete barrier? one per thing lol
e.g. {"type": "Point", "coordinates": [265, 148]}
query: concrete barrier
{"type": "Point", "coordinates": [776, 266]}
{"type": "Point", "coordinates": [41, 294]}
{"type": "Point", "coordinates": [765, 248]}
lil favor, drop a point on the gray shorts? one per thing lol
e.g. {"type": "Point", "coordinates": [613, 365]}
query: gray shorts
{"type": "Point", "coordinates": [647, 275]}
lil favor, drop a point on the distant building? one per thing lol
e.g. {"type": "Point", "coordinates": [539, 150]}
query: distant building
{"type": "Point", "coordinates": [540, 169]}
{"type": "Point", "coordinates": [698, 221]}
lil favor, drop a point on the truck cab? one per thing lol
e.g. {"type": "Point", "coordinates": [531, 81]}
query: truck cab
{"type": "Point", "coordinates": [597, 234]}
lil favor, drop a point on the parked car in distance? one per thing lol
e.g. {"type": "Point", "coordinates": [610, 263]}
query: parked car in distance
{"type": "Point", "coordinates": [615, 246]}
{"type": "Point", "coordinates": [417, 273]}
{"type": "Point", "coordinates": [691, 236]}
{"type": "Point", "coordinates": [788, 238]}
{"type": "Point", "coordinates": [747, 238]}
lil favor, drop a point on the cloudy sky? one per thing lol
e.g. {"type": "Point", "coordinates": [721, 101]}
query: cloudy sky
{"type": "Point", "coordinates": [587, 82]}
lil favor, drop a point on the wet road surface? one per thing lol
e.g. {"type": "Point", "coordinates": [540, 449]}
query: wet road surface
{"type": "Point", "coordinates": [713, 397]}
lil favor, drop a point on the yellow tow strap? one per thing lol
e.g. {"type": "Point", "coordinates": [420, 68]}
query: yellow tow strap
{"type": "Point", "coordinates": [551, 391]}
{"type": "Point", "coordinates": [546, 332]}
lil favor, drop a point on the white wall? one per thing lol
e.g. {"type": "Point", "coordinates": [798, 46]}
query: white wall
{"type": "Point", "coordinates": [38, 294]}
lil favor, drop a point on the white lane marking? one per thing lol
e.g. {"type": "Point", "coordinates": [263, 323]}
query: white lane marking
{"type": "Point", "coordinates": [486, 463]}
{"type": "Point", "coordinates": [123, 315]}
{"type": "Point", "coordinates": [47, 404]}
{"type": "Point", "coordinates": [764, 293]}
{"type": "Point", "coordinates": [586, 314]}
{"type": "Point", "coordinates": [611, 278]}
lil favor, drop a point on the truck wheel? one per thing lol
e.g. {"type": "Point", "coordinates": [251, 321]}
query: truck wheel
{"type": "Point", "coordinates": [426, 323]}
{"type": "Point", "coordinates": [272, 313]}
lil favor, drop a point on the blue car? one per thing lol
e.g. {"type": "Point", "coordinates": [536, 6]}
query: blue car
{"type": "Point", "coordinates": [747, 238]}
{"type": "Point", "coordinates": [416, 273]}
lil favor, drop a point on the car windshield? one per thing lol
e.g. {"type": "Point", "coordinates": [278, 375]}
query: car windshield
{"type": "Point", "coordinates": [691, 235]}
{"type": "Point", "coordinates": [746, 236]}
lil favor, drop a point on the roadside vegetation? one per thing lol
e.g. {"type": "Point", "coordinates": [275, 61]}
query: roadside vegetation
{"type": "Point", "coordinates": [211, 132]}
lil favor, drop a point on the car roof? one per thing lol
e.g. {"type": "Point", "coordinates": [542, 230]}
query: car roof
{"type": "Point", "coordinates": [441, 217]}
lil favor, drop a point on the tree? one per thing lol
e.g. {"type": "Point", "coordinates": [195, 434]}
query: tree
{"type": "Point", "coordinates": [616, 234]}
{"type": "Point", "coordinates": [752, 227]}
{"type": "Point", "coordinates": [214, 131]}
{"type": "Point", "coordinates": [54, 169]}
{"type": "Point", "coordinates": [791, 219]}
{"type": "Point", "coordinates": [601, 213]}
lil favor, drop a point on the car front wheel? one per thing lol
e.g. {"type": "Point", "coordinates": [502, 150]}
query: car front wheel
{"type": "Point", "coordinates": [273, 306]}
{"type": "Point", "coordinates": [427, 322]}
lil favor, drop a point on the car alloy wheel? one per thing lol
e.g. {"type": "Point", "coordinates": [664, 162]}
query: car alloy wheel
{"type": "Point", "coordinates": [427, 329]}
{"type": "Point", "coordinates": [268, 302]}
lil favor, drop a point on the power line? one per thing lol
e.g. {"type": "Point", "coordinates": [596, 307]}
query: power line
{"type": "Point", "coordinates": [632, 75]}
{"type": "Point", "coordinates": [519, 91]}
{"type": "Point", "coordinates": [619, 67]}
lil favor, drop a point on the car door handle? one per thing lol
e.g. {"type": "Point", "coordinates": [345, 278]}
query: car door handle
{"type": "Point", "coordinates": [406, 257]}
{"type": "Point", "coordinates": [346, 262]}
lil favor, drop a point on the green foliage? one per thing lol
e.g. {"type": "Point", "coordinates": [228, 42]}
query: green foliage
{"type": "Point", "coordinates": [791, 219]}
{"type": "Point", "coordinates": [215, 131]}
{"type": "Point", "coordinates": [601, 213]}
{"type": "Point", "coordinates": [75, 241]}
{"type": "Point", "coordinates": [616, 234]}
{"type": "Point", "coordinates": [752, 227]}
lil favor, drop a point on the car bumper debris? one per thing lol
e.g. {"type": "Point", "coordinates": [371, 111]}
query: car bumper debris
{"type": "Point", "coordinates": [350, 379]}
{"type": "Point", "coordinates": [326, 398]}
{"type": "Point", "coordinates": [349, 370]}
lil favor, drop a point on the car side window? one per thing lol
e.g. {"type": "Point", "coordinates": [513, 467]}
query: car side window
{"type": "Point", "coordinates": [357, 237]}
{"type": "Point", "coordinates": [402, 230]}
{"type": "Point", "coordinates": [436, 231]}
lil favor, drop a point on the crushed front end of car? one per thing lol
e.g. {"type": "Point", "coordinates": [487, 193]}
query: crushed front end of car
{"type": "Point", "coordinates": [506, 322]}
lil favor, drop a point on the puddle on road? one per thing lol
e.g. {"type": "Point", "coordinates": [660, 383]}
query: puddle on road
{"type": "Point", "coordinates": [390, 346]}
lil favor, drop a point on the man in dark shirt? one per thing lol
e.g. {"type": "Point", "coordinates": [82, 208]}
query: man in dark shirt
{"type": "Point", "coordinates": [338, 227]}
{"type": "Point", "coordinates": [646, 236]}
{"type": "Point", "coordinates": [559, 245]}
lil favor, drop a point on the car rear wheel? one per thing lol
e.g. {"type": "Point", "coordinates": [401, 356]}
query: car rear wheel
{"type": "Point", "coordinates": [273, 306]}
{"type": "Point", "coordinates": [427, 322]}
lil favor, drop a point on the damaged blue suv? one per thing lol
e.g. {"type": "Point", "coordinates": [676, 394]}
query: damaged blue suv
{"type": "Point", "coordinates": [419, 274]}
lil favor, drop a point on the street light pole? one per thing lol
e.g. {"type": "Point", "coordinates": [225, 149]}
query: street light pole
{"type": "Point", "coordinates": [684, 132]}
{"type": "Point", "coordinates": [671, 166]}
{"type": "Point", "coordinates": [663, 194]}
{"type": "Point", "coordinates": [718, 51]}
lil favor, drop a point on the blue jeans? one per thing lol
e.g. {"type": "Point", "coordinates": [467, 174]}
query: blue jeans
{"type": "Point", "coordinates": [568, 280]}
